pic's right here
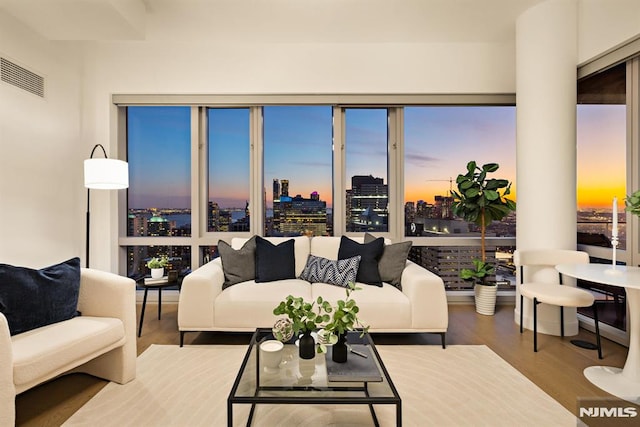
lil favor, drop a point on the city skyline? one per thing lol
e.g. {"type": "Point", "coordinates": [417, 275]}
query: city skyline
{"type": "Point", "coordinates": [159, 151]}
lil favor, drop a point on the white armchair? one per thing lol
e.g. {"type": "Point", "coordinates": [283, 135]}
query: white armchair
{"type": "Point", "coordinates": [100, 342]}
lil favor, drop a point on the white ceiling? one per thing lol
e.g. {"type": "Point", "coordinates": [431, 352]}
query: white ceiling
{"type": "Point", "coordinates": [273, 21]}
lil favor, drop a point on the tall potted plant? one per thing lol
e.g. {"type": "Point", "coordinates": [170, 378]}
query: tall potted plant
{"type": "Point", "coordinates": [481, 200]}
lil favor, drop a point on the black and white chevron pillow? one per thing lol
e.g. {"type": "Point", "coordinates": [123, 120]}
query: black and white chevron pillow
{"type": "Point", "coordinates": [323, 270]}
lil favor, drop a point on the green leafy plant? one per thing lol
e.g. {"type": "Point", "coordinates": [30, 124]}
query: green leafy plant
{"type": "Point", "coordinates": [158, 262]}
{"type": "Point", "coordinates": [312, 316]}
{"type": "Point", "coordinates": [632, 203]}
{"type": "Point", "coordinates": [343, 319]}
{"type": "Point", "coordinates": [305, 316]}
{"type": "Point", "coordinates": [345, 314]}
{"type": "Point", "coordinates": [481, 200]}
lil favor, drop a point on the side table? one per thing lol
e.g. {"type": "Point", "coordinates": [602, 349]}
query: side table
{"type": "Point", "coordinates": [158, 284]}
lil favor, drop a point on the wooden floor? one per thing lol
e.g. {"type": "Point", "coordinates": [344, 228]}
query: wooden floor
{"type": "Point", "coordinates": [556, 367]}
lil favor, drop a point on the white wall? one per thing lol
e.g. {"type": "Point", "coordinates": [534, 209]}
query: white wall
{"type": "Point", "coordinates": [41, 211]}
{"type": "Point", "coordinates": [604, 24]}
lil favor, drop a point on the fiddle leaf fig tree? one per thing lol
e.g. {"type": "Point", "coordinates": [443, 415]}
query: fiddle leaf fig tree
{"type": "Point", "coordinates": [481, 200]}
{"type": "Point", "coordinates": [632, 203]}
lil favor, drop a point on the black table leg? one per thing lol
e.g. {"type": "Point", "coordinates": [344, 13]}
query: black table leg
{"type": "Point", "coordinates": [144, 305]}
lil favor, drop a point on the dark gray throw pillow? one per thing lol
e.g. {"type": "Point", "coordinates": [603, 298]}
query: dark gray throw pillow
{"type": "Point", "coordinates": [275, 262]}
{"type": "Point", "coordinates": [238, 265]}
{"type": "Point", "coordinates": [393, 260]}
{"type": "Point", "coordinates": [32, 298]}
{"type": "Point", "coordinates": [370, 253]}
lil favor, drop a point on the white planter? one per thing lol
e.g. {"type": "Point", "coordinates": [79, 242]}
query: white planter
{"type": "Point", "coordinates": [486, 299]}
{"type": "Point", "coordinates": [157, 273]}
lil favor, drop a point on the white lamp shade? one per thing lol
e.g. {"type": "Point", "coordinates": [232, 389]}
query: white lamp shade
{"type": "Point", "coordinates": [106, 174]}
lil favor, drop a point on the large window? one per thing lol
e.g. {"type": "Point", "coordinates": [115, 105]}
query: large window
{"type": "Point", "coordinates": [204, 172]}
{"type": "Point", "coordinates": [229, 174]}
{"type": "Point", "coordinates": [298, 170]}
{"type": "Point", "coordinates": [367, 178]}
{"type": "Point", "coordinates": [439, 142]}
{"type": "Point", "coordinates": [601, 134]}
{"type": "Point", "coordinates": [159, 156]}
{"type": "Point", "coordinates": [602, 172]}
{"type": "Point", "coordinates": [159, 195]}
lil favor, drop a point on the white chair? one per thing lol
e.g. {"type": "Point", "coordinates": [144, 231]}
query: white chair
{"type": "Point", "coordinates": [553, 293]}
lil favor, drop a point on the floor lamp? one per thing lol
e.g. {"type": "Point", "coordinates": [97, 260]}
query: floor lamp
{"type": "Point", "coordinates": [103, 174]}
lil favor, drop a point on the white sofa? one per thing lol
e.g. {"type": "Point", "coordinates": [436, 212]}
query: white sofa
{"type": "Point", "coordinates": [100, 342]}
{"type": "Point", "coordinates": [421, 306]}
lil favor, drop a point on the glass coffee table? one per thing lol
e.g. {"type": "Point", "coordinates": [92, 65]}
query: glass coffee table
{"type": "Point", "coordinates": [305, 382]}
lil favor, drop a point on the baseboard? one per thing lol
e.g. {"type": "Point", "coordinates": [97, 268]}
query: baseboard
{"type": "Point", "coordinates": [506, 297]}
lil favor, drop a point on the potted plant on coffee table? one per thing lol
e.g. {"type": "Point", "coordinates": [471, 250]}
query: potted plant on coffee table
{"type": "Point", "coordinates": [306, 317]}
{"type": "Point", "coordinates": [343, 319]}
{"type": "Point", "coordinates": [481, 200]}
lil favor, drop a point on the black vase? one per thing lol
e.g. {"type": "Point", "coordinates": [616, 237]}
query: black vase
{"type": "Point", "coordinates": [307, 346]}
{"type": "Point", "coordinates": [339, 350]}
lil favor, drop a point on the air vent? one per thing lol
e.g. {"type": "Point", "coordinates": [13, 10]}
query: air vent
{"type": "Point", "coordinates": [21, 77]}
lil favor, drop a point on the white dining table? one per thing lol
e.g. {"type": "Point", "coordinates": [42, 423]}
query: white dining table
{"type": "Point", "coordinates": [623, 383]}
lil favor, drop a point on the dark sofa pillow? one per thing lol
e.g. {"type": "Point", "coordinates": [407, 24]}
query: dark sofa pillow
{"type": "Point", "coordinates": [32, 298]}
{"type": "Point", "coordinates": [238, 265]}
{"type": "Point", "coordinates": [392, 261]}
{"type": "Point", "coordinates": [275, 262]}
{"type": "Point", "coordinates": [370, 253]}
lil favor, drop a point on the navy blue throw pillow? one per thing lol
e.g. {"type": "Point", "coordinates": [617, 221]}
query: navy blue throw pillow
{"type": "Point", "coordinates": [370, 252]}
{"type": "Point", "coordinates": [274, 262]}
{"type": "Point", "coordinates": [31, 298]}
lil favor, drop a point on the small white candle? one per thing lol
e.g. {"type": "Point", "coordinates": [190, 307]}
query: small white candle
{"type": "Point", "coordinates": [614, 231]}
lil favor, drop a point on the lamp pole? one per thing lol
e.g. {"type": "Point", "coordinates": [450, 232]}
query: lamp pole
{"type": "Point", "coordinates": [88, 203]}
{"type": "Point", "coordinates": [106, 174]}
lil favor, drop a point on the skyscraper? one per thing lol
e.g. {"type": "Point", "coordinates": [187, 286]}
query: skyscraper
{"type": "Point", "coordinates": [367, 201]}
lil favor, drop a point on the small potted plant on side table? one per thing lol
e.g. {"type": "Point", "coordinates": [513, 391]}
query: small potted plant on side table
{"type": "Point", "coordinates": [304, 320]}
{"type": "Point", "coordinates": [157, 265]}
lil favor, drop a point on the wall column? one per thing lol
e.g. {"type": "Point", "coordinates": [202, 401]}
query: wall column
{"type": "Point", "coordinates": [546, 58]}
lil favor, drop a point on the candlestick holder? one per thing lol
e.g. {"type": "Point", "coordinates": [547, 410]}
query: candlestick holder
{"type": "Point", "coordinates": [614, 246]}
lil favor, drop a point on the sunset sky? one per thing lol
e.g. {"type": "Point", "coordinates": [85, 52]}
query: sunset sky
{"type": "Point", "coordinates": [439, 141]}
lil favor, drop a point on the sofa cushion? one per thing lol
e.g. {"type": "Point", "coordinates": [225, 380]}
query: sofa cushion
{"type": "Point", "coordinates": [392, 261]}
{"type": "Point", "coordinates": [385, 308]}
{"type": "Point", "coordinates": [238, 265]}
{"type": "Point", "coordinates": [274, 262]}
{"type": "Point", "coordinates": [32, 298]}
{"type": "Point", "coordinates": [370, 253]}
{"type": "Point", "coordinates": [323, 270]}
{"type": "Point", "coordinates": [45, 352]}
{"type": "Point", "coordinates": [301, 248]}
{"type": "Point", "coordinates": [250, 304]}
{"type": "Point", "coordinates": [325, 247]}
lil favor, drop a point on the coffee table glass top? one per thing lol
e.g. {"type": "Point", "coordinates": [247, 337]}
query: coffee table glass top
{"type": "Point", "coordinates": [300, 379]}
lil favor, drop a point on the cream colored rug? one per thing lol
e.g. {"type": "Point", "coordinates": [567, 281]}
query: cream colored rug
{"type": "Point", "coordinates": [457, 386]}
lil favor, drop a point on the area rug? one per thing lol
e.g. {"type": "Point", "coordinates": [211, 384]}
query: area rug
{"type": "Point", "coordinates": [456, 386]}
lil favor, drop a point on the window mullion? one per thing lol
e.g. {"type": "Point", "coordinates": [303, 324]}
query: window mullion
{"type": "Point", "coordinates": [396, 173]}
{"type": "Point", "coordinates": [256, 204]}
{"type": "Point", "coordinates": [339, 188]}
{"type": "Point", "coordinates": [198, 181]}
